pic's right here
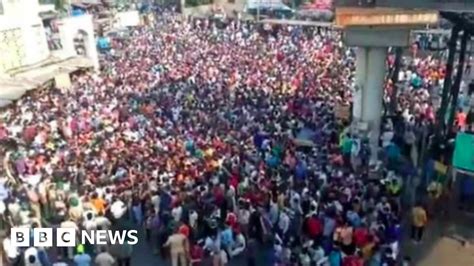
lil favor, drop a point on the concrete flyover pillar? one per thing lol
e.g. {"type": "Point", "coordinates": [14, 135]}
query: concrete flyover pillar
{"type": "Point", "coordinates": [371, 52]}
{"type": "Point", "coordinates": [372, 31]}
{"type": "Point", "coordinates": [360, 76]}
{"type": "Point", "coordinates": [373, 96]}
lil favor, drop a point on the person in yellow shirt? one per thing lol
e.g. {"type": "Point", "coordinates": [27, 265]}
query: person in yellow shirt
{"type": "Point", "coordinates": [419, 221]}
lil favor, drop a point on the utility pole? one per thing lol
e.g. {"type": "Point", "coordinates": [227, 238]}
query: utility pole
{"type": "Point", "coordinates": [396, 70]}
{"type": "Point", "coordinates": [458, 79]}
{"type": "Point", "coordinates": [447, 82]}
{"type": "Point", "coordinates": [259, 2]}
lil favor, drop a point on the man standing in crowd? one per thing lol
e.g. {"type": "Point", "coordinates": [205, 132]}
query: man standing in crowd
{"type": "Point", "coordinates": [179, 248]}
{"type": "Point", "coordinates": [419, 221]}
{"type": "Point", "coordinates": [82, 258]}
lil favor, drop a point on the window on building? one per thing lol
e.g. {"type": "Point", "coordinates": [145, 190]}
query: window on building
{"type": "Point", "coordinates": [231, 1]}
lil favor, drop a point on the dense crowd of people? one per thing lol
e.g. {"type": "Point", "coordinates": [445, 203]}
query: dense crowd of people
{"type": "Point", "coordinates": [220, 140]}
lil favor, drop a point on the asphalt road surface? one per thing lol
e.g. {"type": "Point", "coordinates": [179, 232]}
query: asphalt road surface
{"type": "Point", "coordinates": [143, 256]}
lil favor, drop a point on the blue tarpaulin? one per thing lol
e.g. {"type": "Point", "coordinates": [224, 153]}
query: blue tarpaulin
{"type": "Point", "coordinates": [103, 43]}
{"type": "Point", "coordinates": [77, 12]}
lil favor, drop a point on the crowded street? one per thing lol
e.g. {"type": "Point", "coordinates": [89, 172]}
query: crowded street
{"type": "Point", "coordinates": [223, 144]}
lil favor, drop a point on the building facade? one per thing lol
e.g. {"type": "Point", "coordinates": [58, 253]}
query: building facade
{"type": "Point", "coordinates": [22, 37]}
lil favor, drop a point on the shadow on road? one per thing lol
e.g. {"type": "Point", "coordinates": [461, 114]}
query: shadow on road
{"type": "Point", "coordinates": [447, 241]}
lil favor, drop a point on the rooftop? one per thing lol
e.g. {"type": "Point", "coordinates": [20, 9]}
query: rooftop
{"type": "Point", "coordinates": [21, 80]}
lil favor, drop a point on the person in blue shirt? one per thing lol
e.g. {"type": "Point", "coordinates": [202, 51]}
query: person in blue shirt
{"type": "Point", "coordinates": [393, 151]}
{"type": "Point", "coordinates": [258, 139]}
{"type": "Point", "coordinates": [44, 257]}
{"type": "Point", "coordinates": [354, 218]}
{"type": "Point", "coordinates": [272, 161]}
{"type": "Point", "coordinates": [301, 171]}
{"type": "Point", "coordinates": [190, 146]}
{"type": "Point", "coordinates": [467, 191]}
{"type": "Point", "coordinates": [226, 236]}
{"type": "Point", "coordinates": [82, 258]}
{"type": "Point", "coordinates": [335, 257]}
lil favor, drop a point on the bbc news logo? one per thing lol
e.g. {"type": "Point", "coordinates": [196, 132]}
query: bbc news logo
{"type": "Point", "coordinates": [68, 237]}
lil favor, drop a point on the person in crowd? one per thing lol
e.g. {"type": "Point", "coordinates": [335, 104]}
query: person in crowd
{"type": "Point", "coordinates": [419, 221]}
{"type": "Point", "coordinates": [122, 253]}
{"type": "Point", "coordinates": [179, 248]}
{"type": "Point", "coordinates": [104, 258]}
{"type": "Point", "coordinates": [11, 252]}
{"type": "Point", "coordinates": [82, 258]}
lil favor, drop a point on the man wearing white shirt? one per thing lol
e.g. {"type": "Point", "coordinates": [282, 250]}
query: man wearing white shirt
{"type": "Point", "coordinates": [118, 209]}
{"type": "Point", "coordinates": [12, 252]}
{"type": "Point", "coordinates": [102, 222]}
{"type": "Point", "coordinates": [177, 212]}
{"type": "Point", "coordinates": [193, 217]}
{"type": "Point", "coordinates": [284, 223]}
{"type": "Point", "coordinates": [104, 258]}
{"type": "Point", "coordinates": [89, 221]}
{"type": "Point", "coordinates": [31, 257]}
{"type": "Point", "coordinates": [155, 200]}
{"type": "Point", "coordinates": [239, 245]}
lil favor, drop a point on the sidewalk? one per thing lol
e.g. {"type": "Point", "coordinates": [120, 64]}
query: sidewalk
{"type": "Point", "coordinates": [444, 242]}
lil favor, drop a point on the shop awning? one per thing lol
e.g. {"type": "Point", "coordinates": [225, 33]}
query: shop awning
{"type": "Point", "coordinates": [14, 86]}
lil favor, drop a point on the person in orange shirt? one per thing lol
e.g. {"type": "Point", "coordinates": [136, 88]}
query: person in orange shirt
{"type": "Point", "coordinates": [98, 203]}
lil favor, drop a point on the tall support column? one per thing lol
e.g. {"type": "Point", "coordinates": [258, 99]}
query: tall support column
{"type": "Point", "coordinates": [396, 70]}
{"type": "Point", "coordinates": [360, 78]}
{"type": "Point", "coordinates": [373, 96]}
{"type": "Point", "coordinates": [457, 80]}
{"type": "Point", "coordinates": [447, 82]}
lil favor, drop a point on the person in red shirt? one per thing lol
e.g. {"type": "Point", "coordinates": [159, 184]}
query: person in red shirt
{"type": "Point", "coordinates": [353, 260]}
{"type": "Point", "coordinates": [197, 254]}
{"type": "Point", "coordinates": [461, 119]}
{"type": "Point", "coordinates": [361, 236]}
{"type": "Point", "coordinates": [314, 227]}
{"type": "Point", "coordinates": [234, 180]}
{"type": "Point", "coordinates": [184, 229]}
{"type": "Point", "coordinates": [231, 219]}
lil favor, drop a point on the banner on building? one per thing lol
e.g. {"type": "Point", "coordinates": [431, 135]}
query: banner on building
{"type": "Point", "coordinates": [463, 157]}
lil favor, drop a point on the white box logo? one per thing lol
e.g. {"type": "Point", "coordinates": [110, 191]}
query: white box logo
{"type": "Point", "coordinates": [43, 237]}
{"type": "Point", "coordinates": [66, 237]}
{"type": "Point", "coordinates": [20, 237]}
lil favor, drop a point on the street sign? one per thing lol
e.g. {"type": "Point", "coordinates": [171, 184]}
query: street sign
{"type": "Point", "coordinates": [442, 5]}
{"type": "Point", "coordinates": [463, 157]}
